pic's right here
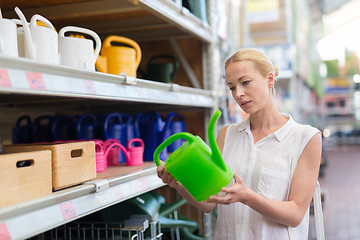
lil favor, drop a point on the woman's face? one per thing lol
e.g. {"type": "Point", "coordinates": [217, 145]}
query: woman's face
{"type": "Point", "coordinates": [249, 88]}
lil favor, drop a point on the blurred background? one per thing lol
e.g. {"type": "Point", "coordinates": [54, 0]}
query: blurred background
{"type": "Point", "coordinates": [316, 44]}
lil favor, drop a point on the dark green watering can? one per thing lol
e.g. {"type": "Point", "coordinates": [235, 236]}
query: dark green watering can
{"type": "Point", "coordinates": [198, 167]}
{"type": "Point", "coordinates": [162, 68]}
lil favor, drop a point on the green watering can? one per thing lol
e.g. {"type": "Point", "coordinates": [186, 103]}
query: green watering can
{"type": "Point", "coordinates": [198, 167]}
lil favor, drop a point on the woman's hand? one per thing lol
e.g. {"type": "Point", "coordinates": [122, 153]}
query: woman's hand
{"type": "Point", "coordinates": [166, 177]}
{"type": "Point", "coordinates": [238, 192]}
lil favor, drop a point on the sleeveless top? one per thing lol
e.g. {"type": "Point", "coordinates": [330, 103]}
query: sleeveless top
{"type": "Point", "coordinates": [266, 168]}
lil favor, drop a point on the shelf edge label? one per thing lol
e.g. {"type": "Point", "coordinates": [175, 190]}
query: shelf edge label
{"type": "Point", "coordinates": [4, 79]}
{"type": "Point", "coordinates": [35, 80]}
{"type": "Point", "coordinates": [68, 210]}
{"type": "Point", "coordinates": [89, 87]}
{"type": "Point", "coordinates": [4, 232]}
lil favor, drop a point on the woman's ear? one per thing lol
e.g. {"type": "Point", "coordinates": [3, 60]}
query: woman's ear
{"type": "Point", "coordinates": [271, 80]}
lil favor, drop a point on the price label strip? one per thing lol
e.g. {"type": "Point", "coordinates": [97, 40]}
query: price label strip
{"type": "Point", "coordinates": [4, 233]}
{"type": "Point", "coordinates": [89, 87]}
{"type": "Point", "coordinates": [35, 80]}
{"type": "Point", "coordinates": [4, 79]}
{"type": "Point", "coordinates": [68, 210]}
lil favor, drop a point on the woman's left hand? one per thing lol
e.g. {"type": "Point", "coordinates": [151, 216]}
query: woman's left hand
{"type": "Point", "coordinates": [237, 192]}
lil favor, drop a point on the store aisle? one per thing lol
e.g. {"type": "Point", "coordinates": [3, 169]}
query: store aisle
{"type": "Point", "coordinates": [342, 185]}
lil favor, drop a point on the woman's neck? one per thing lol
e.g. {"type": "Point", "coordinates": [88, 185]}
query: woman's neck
{"type": "Point", "coordinates": [266, 121]}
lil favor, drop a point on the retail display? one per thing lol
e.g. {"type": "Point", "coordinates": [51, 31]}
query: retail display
{"type": "Point", "coordinates": [200, 169]}
{"type": "Point", "coordinates": [56, 90]}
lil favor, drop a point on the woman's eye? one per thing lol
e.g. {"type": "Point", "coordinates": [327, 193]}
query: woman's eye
{"type": "Point", "coordinates": [232, 89]}
{"type": "Point", "coordinates": [246, 82]}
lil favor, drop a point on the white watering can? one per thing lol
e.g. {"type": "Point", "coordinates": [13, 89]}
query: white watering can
{"type": "Point", "coordinates": [20, 37]}
{"type": "Point", "coordinates": [41, 43]}
{"type": "Point", "coordinates": [78, 52]}
{"type": "Point", "coordinates": [8, 38]}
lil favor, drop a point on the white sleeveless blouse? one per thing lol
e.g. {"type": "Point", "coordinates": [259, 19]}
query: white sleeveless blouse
{"type": "Point", "coordinates": [265, 167]}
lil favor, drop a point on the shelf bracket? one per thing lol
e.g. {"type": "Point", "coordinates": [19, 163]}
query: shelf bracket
{"type": "Point", "coordinates": [100, 184]}
{"type": "Point", "coordinates": [174, 87]}
{"type": "Point", "coordinates": [130, 80]}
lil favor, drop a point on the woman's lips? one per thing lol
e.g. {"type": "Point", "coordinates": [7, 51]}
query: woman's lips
{"type": "Point", "coordinates": [245, 104]}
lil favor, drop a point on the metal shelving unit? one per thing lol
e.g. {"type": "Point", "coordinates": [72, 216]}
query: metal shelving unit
{"type": "Point", "coordinates": [23, 76]}
{"type": "Point", "coordinates": [24, 81]}
{"type": "Point", "coordinates": [38, 215]}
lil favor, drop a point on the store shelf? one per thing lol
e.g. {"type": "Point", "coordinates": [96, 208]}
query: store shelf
{"type": "Point", "coordinates": [23, 76]}
{"type": "Point", "coordinates": [138, 19]}
{"type": "Point", "coordinates": [115, 185]}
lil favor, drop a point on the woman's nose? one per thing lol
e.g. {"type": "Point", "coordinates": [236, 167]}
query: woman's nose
{"type": "Point", "coordinates": [239, 92]}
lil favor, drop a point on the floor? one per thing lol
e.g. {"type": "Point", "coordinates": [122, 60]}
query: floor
{"type": "Point", "coordinates": [341, 184]}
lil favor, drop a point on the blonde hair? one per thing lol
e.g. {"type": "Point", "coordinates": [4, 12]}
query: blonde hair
{"type": "Point", "coordinates": [261, 61]}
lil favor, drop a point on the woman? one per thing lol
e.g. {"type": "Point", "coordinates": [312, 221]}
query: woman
{"type": "Point", "coordinates": [275, 160]}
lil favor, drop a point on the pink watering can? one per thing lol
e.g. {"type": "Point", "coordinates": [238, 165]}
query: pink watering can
{"type": "Point", "coordinates": [134, 155]}
{"type": "Point", "coordinates": [101, 162]}
{"type": "Point", "coordinates": [113, 154]}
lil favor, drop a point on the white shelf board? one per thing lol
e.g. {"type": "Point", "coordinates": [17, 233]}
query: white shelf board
{"type": "Point", "coordinates": [24, 76]}
{"type": "Point", "coordinates": [166, 19]}
{"type": "Point", "coordinates": [178, 16]}
{"type": "Point", "coordinates": [33, 217]}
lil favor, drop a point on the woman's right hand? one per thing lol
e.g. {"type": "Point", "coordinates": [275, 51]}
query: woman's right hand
{"type": "Point", "coordinates": [166, 177]}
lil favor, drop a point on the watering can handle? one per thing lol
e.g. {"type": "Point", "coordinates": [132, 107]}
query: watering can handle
{"type": "Point", "coordinates": [182, 135]}
{"type": "Point", "coordinates": [80, 120]}
{"type": "Point", "coordinates": [28, 39]}
{"type": "Point", "coordinates": [115, 144]}
{"type": "Point", "coordinates": [85, 31]}
{"type": "Point", "coordinates": [40, 18]}
{"type": "Point", "coordinates": [107, 119]}
{"type": "Point", "coordinates": [139, 140]}
{"type": "Point", "coordinates": [132, 43]}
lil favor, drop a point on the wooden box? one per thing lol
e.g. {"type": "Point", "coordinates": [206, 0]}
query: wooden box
{"type": "Point", "coordinates": [72, 162]}
{"type": "Point", "coordinates": [24, 176]}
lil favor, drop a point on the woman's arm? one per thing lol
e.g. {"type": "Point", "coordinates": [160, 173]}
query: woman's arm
{"type": "Point", "coordinates": [168, 179]}
{"type": "Point", "coordinates": [291, 212]}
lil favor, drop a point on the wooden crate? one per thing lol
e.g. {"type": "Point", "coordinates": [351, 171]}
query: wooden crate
{"type": "Point", "coordinates": [72, 163]}
{"type": "Point", "coordinates": [24, 176]}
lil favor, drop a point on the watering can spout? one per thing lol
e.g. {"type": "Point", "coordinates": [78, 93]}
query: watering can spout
{"type": "Point", "coordinates": [215, 155]}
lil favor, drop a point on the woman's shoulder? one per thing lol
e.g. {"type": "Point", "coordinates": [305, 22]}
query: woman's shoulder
{"type": "Point", "coordinates": [305, 129]}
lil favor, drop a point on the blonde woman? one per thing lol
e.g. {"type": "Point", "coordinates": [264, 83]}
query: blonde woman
{"type": "Point", "coordinates": [275, 160]}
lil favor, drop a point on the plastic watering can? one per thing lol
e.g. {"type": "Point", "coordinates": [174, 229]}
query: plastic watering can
{"type": "Point", "coordinates": [117, 60]}
{"type": "Point", "coordinates": [101, 163]}
{"type": "Point", "coordinates": [134, 155]}
{"type": "Point", "coordinates": [64, 128]}
{"type": "Point", "coordinates": [162, 68]}
{"type": "Point", "coordinates": [42, 128]}
{"type": "Point", "coordinates": [78, 52]}
{"type": "Point", "coordinates": [41, 43]}
{"type": "Point", "coordinates": [177, 125]}
{"type": "Point", "coordinates": [116, 127]}
{"type": "Point", "coordinates": [198, 167]}
{"type": "Point", "coordinates": [153, 130]}
{"type": "Point", "coordinates": [112, 157]}
{"type": "Point", "coordinates": [87, 127]}
{"type": "Point", "coordinates": [22, 132]}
